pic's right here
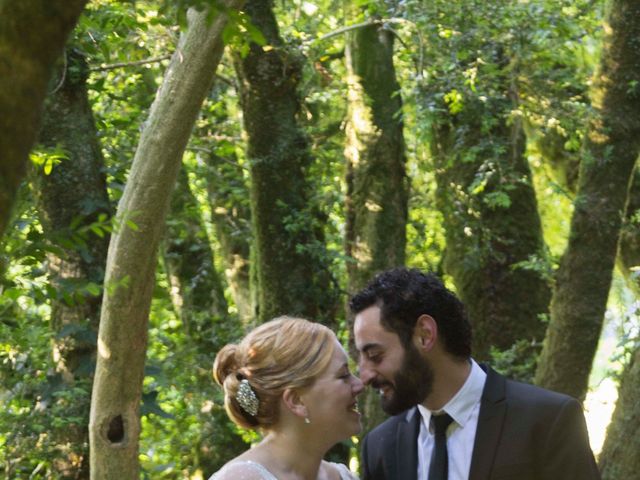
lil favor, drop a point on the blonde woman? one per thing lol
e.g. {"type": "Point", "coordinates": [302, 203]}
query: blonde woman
{"type": "Point", "coordinates": [290, 379]}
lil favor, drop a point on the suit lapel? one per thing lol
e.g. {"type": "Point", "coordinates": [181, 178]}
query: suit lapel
{"type": "Point", "coordinates": [406, 451]}
{"type": "Point", "coordinates": [493, 408]}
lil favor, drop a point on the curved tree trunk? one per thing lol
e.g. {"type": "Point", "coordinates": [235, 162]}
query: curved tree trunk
{"type": "Point", "coordinates": [611, 148]}
{"type": "Point", "coordinates": [115, 423]}
{"type": "Point", "coordinates": [32, 36]}
{"type": "Point", "coordinates": [377, 185]}
{"type": "Point", "coordinates": [492, 224]}
{"type": "Point", "coordinates": [290, 256]}
{"type": "Point", "coordinates": [75, 192]}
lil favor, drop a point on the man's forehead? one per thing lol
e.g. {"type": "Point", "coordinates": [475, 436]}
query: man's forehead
{"type": "Point", "coordinates": [369, 331]}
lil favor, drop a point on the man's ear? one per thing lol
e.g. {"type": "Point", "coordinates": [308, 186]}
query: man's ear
{"type": "Point", "coordinates": [425, 333]}
{"type": "Point", "coordinates": [293, 401]}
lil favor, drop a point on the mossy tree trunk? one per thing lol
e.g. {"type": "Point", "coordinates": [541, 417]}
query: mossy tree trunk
{"type": "Point", "coordinates": [493, 229]}
{"type": "Point", "coordinates": [115, 421]}
{"type": "Point", "coordinates": [291, 266]}
{"type": "Point", "coordinates": [610, 151]}
{"type": "Point", "coordinates": [32, 36]}
{"type": "Point", "coordinates": [72, 199]}
{"type": "Point", "coordinates": [377, 185]}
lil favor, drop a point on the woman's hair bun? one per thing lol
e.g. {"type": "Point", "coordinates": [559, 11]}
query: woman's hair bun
{"type": "Point", "coordinates": [226, 363]}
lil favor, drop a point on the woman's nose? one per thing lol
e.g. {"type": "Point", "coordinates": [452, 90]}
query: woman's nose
{"type": "Point", "coordinates": [358, 386]}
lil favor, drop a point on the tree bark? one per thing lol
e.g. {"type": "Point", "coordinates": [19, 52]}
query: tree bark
{"type": "Point", "coordinates": [492, 225]}
{"type": "Point", "coordinates": [377, 185]}
{"type": "Point", "coordinates": [114, 423]}
{"type": "Point", "coordinates": [290, 255]}
{"type": "Point", "coordinates": [628, 259]}
{"type": "Point", "coordinates": [32, 36]}
{"type": "Point", "coordinates": [74, 192]}
{"type": "Point", "coordinates": [619, 457]}
{"type": "Point", "coordinates": [610, 151]}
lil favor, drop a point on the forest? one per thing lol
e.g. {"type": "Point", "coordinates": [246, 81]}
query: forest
{"type": "Point", "coordinates": [175, 172]}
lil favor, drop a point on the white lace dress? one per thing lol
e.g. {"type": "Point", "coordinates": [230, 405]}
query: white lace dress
{"type": "Point", "coordinates": [244, 466]}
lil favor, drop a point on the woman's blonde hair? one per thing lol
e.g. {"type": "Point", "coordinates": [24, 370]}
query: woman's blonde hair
{"type": "Point", "coordinates": [283, 353]}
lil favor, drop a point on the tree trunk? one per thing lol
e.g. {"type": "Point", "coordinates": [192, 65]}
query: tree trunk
{"type": "Point", "coordinates": [610, 151]}
{"type": "Point", "coordinates": [197, 290]}
{"type": "Point", "coordinates": [231, 216]}
{"type": "Point", "coordinates": [619, 457]}
{"type": "Point", "coordinates": [115, 423]}
{"type": "Point", "coordinates": [75, 192]}
{"type": "Point", "coordinates": [492, 225]}
{"type": "Point", "coordinates": [377, 185]}
{"type": "Point", "coordinates": [629, 247]}
{"type": "Point", "coordinates": [290, 255]}
{"type": "Point", "coordinates": [32, 36]}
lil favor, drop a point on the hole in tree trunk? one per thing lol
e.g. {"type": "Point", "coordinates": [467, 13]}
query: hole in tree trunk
{"type": "Point", "coordinates": [115, 434]}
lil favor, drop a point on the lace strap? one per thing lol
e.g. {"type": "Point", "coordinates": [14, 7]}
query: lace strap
{"type": "Point", "coordinates": [345, 473]}
{"type": "Point", "coordinates": [266, 474]}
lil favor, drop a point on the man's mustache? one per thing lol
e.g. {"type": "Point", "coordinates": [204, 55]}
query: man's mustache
{"type": "Point", "coordinates": [380, 383]}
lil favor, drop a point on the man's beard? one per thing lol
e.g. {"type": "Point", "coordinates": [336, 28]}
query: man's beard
{"type": "Point", "coordinates": [411, 384]}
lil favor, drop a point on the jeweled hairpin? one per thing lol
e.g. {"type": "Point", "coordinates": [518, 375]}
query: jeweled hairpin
{"type": "Point", "coordinates": [247, 398]}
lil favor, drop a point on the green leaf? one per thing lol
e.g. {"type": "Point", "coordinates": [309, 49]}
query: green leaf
{"type": "Point", "coordinates": [150, 405]}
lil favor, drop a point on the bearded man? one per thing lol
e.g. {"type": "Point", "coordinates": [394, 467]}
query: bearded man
{"type": "Point", "coordinates": [452, 418]}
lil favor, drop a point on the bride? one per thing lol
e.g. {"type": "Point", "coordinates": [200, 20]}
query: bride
{"type": "Point", "coordinates": [290, 379]}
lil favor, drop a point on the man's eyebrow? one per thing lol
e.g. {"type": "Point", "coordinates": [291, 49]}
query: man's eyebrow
{"type": "Point", "coordinates": [368, 347]}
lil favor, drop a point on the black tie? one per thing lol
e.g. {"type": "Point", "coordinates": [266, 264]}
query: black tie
{"type": "Point", "coordinates": [439, 468]}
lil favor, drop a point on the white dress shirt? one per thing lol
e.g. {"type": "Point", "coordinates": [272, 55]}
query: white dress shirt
{"type": "Point", "coordinates": [464, 408]}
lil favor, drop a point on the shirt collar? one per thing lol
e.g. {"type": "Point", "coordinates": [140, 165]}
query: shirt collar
{"type": "Point", "coordinates": [461, 406]}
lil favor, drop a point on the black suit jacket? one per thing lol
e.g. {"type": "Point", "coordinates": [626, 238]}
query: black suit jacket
{"type": "Point", "coordinates": [524, 432]}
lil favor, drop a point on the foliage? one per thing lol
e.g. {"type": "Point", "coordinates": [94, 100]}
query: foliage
{"type": "Point", "coordinates": [185, 429]}
{"type": "Point", "coordinates": [452, 60]}
{"type": "Point", "coordinates": [37, 406]}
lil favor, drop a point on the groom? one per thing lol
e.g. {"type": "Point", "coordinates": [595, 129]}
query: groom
{"type": "Point", "coordinates": [454, 420]}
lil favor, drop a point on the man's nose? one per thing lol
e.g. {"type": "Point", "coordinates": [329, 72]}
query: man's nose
{"type": "Point", "coordinates": [366, 374]}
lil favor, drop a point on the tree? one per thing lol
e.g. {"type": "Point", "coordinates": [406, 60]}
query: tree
{"type": "Point", "coordinates": [291, 277]}
{"type": "Point", "coordinates": [74, 212]}
{"type": "Point", "coordinates": [611, 147]}
{"type": "Point", "coordinates": [32, 36]}
{"type": "Point", "coordinates": [377, 185]}
{"type": "Point", "coordinates": [495, 249]}
{"type": "Point", "coordinates": [114, 423]}
{"type": "Point", "coordinates": [231, 215]}
{"type": "Point", "coordinates": [227, 180]}
{"type": "Point", "coordinates": [619, 456]}
{"type": "Point", "coordinates": [197, 289]}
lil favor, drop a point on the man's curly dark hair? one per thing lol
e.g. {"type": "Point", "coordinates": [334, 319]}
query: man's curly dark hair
{"type": "Point", "coordinates": [404, 294]}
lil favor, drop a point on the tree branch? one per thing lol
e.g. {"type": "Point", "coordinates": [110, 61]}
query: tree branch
{"type": "Point", "coordinates": [113, 66]}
